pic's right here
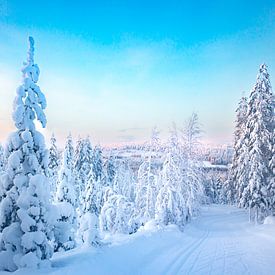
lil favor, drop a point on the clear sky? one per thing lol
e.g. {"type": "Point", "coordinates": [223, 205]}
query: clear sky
{"type": "Point", "coordinates": [115, 69]}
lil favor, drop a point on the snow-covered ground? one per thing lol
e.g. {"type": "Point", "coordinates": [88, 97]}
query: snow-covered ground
{"type": "Point", "coordinates": [220, 241]}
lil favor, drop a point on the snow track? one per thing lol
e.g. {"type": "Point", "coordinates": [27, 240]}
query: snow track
{"type": "Point", "coordinates": [220, 241]}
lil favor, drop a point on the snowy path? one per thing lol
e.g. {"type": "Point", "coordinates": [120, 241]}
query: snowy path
{"type": "Point", "coordinates": [220, 241]}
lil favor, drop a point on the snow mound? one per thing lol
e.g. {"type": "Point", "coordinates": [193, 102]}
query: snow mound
{"type": "Point", "coordinates": [269, 220]}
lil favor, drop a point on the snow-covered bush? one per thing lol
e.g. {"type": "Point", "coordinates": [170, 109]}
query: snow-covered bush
{"type": "Point", "coordinates": [89, 229]}
{"type": "Point", "coordinates": [116, 213]}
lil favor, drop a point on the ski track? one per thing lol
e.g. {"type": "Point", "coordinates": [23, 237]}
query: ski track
{"type": "Point", "coordinates": [219, 242]}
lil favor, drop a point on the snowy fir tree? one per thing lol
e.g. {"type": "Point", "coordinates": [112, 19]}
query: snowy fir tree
{"type": "Point", "coordinates": [271, 180]}
{"type": "Point", "coordinates": [124, 181]}
{"type": "Point", "coordinates": [54, 163]}
{"type": "Point", "coordinates": [25, 210]}
{"type": "Point", "coordinates": [2, 159]}
{"type": "Point", "coordinates": [236, 181]}
{"type": "Point", "coordinates": [259, 131]}
{"type": "Point", "coordinates": [110, 171]}
{"type": "Point", "coordinates": [82, 166]}
{"type": "Point", "coordinates": [89, 219]}
{"type": "Point", "coordinates": [97, 166]}
{"type": "Point", "coordinates": [65, 225]}
{"type": "Point", "coordinates": [92, 198]}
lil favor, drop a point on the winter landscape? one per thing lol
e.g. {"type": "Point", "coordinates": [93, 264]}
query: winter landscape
{"type": "Point", "coordinates": [128, 154]}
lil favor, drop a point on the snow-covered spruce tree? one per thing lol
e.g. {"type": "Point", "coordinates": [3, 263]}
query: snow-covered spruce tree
{"type": "Point", "coordinates": [92, 203]}
{"type": "Point", "coordinates": [235, 184]}
{"type": "Point", "coordinates": [82, 166]}
{"type": "Point", "coordinates": [260, 130]}
{"type": "Point", "coordinates": [97, 166]}
{"type": "Point", "coordinates": [271, 184]}
{"type": "Point", "coordinates": [2, 159]}
{"type": "Point", "coordinates": [92, 200]}
{"type": "Point", "coordinates": [65, 225]}
{"type": "Point", "coordinates": [124, 182]}
{"type": "Point", "coordinates": [54, 163]}
{"type": "Point", "coordinates": [25, 210]}
{"type": "Point", "coordinates": [110, 171]}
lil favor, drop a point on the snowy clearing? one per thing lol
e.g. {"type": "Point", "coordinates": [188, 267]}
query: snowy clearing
{"type": "Point", "coordinates": [220, 241]}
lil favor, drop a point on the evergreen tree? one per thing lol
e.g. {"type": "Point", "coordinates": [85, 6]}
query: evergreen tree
{"type": "Point", "coordinates": [124, 180]}
{"type": "Point", "coordinates": [110, 171]}
{"type": "Point", "coordinates": [82, 166]}
{"type": "Point", "coordinates": [271, 185]}
{"type": "Point", "coordinates": [260, 129]}
{"type": "Point", "coordinates": [54, 163]}
{"type": "Point", "coordinates": [66, 202]}
{"type": "Point", "coordinates": [2, 159]}
{"type": "Point", "coordinates": [97, 169]}
{"type": "Point", "coordinates": [25, 210]}
{"type": "Point", "coordinates": [236, 182]}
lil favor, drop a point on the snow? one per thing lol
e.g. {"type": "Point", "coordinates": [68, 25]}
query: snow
{"type": "Point", "coordinates": [269, 220]}
{"type": "Point", "coordinates": [220, 241]}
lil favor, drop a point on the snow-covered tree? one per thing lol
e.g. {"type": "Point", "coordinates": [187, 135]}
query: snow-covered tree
{"type": "Point", "coordinates": [91, 206]}
{"type": "Point", "coordinates": [124, 181]}
{"type": "Point", "coordinates": [82, 166]}
{"type": "Point", "coordinates": [25, 210]}
{"type": "Point", "coordinates": [191, 135]}
{"type": "Point", "coordinates": [145, 195]}
{"type": "Point", "coordinates": [171, 205]}
{"type": "Point", "coordinates": [92, 200]}
{"type": "Point", "coordinates": [192, 172]}
{"type": "Point", "coordinates": [271, 180]}
{"type": "Point", "coordinates": [110, 170]}
{"type": "Point", "coordinates": [65, 225]}
{"type": "Point", "coordinates": [259, 130]}
{"type": "Point", "coordinates": [2, 159]}
{"type": "Point", "coordinates": [97, 166]}
{"type": "Point", "coordinates": [172, 197]}
{"type": "Point", "coordinates": [116, 213]}
{"type": "Point", "coordinates": [54, 163]}
{"type": "Point", "coordinates": [236, 179]}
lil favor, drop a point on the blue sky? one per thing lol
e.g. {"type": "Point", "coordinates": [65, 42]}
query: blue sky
{"type": "Point", "coordinates": [115, 69]}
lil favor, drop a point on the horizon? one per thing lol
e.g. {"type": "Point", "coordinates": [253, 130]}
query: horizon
{"type": "Point", "coordinates": [113, 72]}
